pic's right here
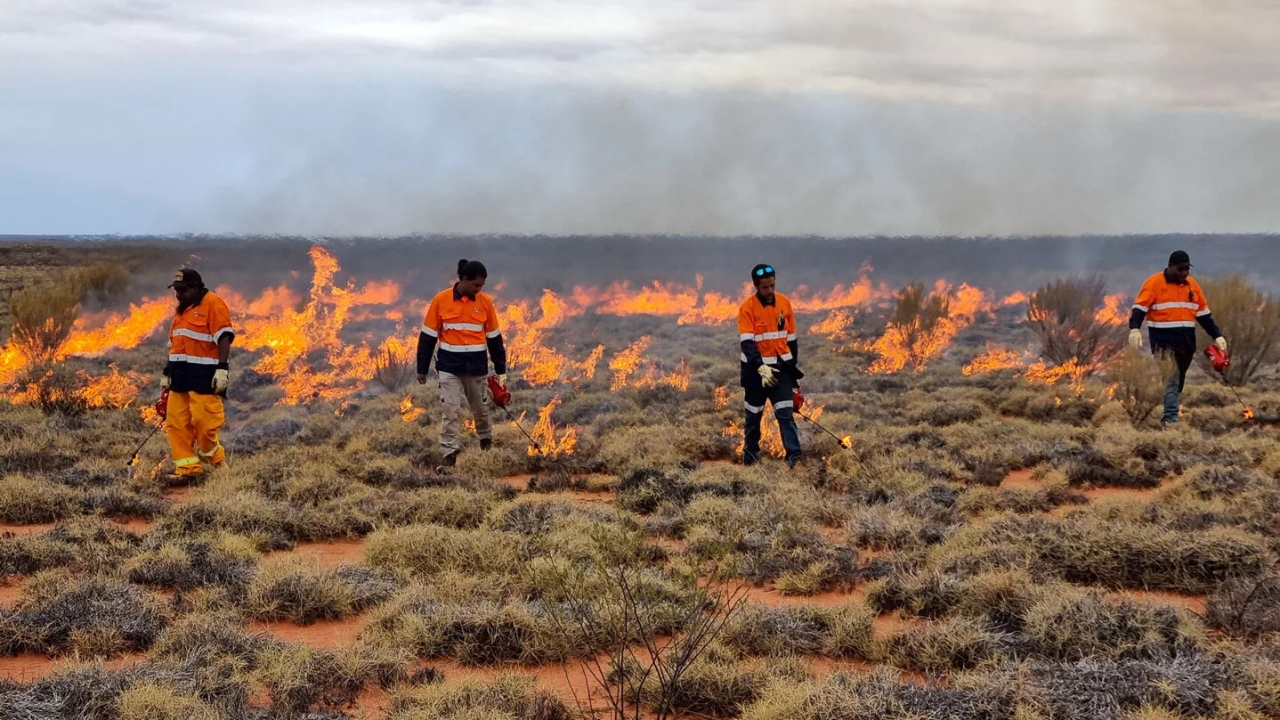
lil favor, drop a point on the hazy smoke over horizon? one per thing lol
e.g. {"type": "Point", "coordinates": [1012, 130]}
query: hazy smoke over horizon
{"type": "Point", "coordinates": [732, 165]}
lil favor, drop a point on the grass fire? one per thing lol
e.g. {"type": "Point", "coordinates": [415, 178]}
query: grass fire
{"type": "Point", "coordinates": [977, 494]}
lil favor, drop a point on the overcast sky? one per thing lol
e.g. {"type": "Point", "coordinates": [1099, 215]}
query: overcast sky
{"type": "Point", "coordinates": [965, 117]}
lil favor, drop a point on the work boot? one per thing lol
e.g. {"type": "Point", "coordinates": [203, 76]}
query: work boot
{"type": "Point", "coordinates": [485, 444]}
{"type": "Point", "coordinates": [794, 463]}
{"type": "Point", "coordinates": [447, 462]}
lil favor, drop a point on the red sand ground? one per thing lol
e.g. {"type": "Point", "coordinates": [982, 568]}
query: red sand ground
{"type": "Point", "coordinates": [137, 526]}
{"type": "Point", "coordinates": [28, 667]}
{"type": "Point", "coordinates": [1019, 480]}
{"type": "Point", "coordinates": [25, 529]}
{"type": "Point", "coordinates": [325, 634]}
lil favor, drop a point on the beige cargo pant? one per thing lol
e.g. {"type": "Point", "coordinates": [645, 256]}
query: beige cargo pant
{"type": "Point", "coordinates": [454, 390]}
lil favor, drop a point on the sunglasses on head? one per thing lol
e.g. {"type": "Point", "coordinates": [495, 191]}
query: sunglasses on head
{"type": "Point", "coordinates": [766, 270]}
{"type": "Point", "coordinates": [1183, 268]}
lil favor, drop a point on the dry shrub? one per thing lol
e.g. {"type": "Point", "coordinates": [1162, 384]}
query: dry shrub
{"type": "Point", "coordinates": [394, 370]}
{"type": "Point", "coordinates": [42, 319]}
{"type": "Point", "coordinates": [102, 281]}
{"type": "Point", "coordinates": [1139, 380]}
{"type": "Point", "coordinates": [1248, 319]}
{"type": "Point", "coordinates": [155, 702]}
{"type": "Point", "coordinates": [1114, 554]}
{"type": "Point", "coordinates": [227, 560]}
{"type": "Point", "coordinates": [627, 450]}
{"type": "Point", "coordinates": [942, 414]}
{"type": "Point", "coordinates": [1064, 315]}
{"type": "Point", "coordinates": [799, 630]}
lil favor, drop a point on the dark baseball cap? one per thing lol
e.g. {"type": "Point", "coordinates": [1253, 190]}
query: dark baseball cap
{"type": "Point", "coordinates": [186, 277]}
{"type": "Point", "coordinates": [1179, 257]}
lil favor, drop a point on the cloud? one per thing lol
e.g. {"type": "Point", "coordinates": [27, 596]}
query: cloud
{"type": "Point", "coordinates": [719, 117]}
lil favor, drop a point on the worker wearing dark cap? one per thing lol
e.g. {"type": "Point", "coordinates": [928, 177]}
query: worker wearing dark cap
{"type": "Point", "coordinates": [196, 375]}
{"type": "Point", "coordinates": [767, 337]}
{"type": "Point", "coordinates": [1172, 302]}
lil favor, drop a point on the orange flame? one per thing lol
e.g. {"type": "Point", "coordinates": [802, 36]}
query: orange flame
{"type": "Point", "coordinates": [292, 337]}
{"type": "Point", "coordinates": [834, 326]}
{"type": "Point", "coordinates": [1113, 312]}
{"type": "Point", "coordinates": [900, 346]}
{"type": "Point", "coordinates": [551, 443]}
{"type": "Point", "coordinates": [721, 397]}
{"type": "Point", "coordinates": [1248, 413]}
{"type": "Point", "coordinates": [408, 412]}
{"type": "Point", "coordinates": [994, 359]}
{"type": "Point", "coordinates": [113, 390]}
{"type": "Point", "coordinates": [1043, 374]}
{"type": "Point", "coordinates": [846, 442]}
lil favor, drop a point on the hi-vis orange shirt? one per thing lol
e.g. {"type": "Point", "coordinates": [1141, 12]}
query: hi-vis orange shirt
{"type": "Point", "coordinates": [1172, 310]}
{"type": "Point", "coordinates": [464, 329]}
{"type": "Point", "coordinates": [193, 344]}
{"type": "Point", "coordinates": [765, 331]}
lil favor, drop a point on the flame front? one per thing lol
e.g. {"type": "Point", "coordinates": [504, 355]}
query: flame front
{"type": "Point", "coordinates": [903, 346]}
{"type": "Point", "coordinates": [291, 337]}
{"type": "Point", "coordinates": [1113, 312]}
{"type": "Point", "coordinates": [994, 359]}
{"type": "Point", "coordinates": [408, 412]}
{"type": "Point", "coordinates": [550, 442]}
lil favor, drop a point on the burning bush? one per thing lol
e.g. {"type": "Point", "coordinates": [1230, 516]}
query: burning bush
{"type": "Point", "coordinates": [1076, 321]}
{"type": "Point", "coordinates": [52, 387]}
{"type": "Point", "coordinates": [1139, 380]}
{"type": "Point", "coordinates": [909, 338]}
{"type": "Point", "coordinates": [42, 319]}
{"type": "Point", "coordinates": [1248, 319]}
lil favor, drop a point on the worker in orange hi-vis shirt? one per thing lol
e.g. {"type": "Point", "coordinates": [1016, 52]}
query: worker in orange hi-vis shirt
{"type": "Point", "coordinates": [461, 330]}
{"type": "Point", "coordinates": [769, 348]}
{"type": "Point", "coordinates": [1172, 302]}
{"type": "Point", "coordinates": [196, 375]}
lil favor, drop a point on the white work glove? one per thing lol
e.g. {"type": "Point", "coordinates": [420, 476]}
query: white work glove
{"type": "Point", "coordinates": [502, 379]}
{"type": "Point", "coordinates": [164, 381]}
{"type": "Point", "coordinates": [1221, 343]}
{"type": "Point", "coordinates": [767, 376]}
{"type": "Point", "coordinates": [220, 380]}
{"type": "Point", "coordinates": [1135, 338]}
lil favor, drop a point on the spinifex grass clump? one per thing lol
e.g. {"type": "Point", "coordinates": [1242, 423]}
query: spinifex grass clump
{"type": "Point", "coordinates": [839, 632]}
{"type": "Point", "coordinates": [1246, 607]}
{"type": "Point", "coordinates": [86, 616]}
{"type": "Point", "coordinates": [510, 697]}
{"type": "Point", "coordinates": [1114, 554]}
{"type": "Point", "coordinates": [293, 589]}
{"type": "Point", "coordinates": [86, 544]}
